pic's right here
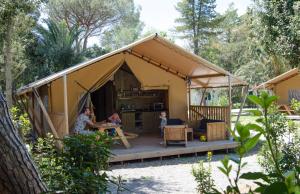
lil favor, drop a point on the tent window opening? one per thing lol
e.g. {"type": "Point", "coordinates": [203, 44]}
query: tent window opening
{"type": "Point", "coordinates": [294, 94]}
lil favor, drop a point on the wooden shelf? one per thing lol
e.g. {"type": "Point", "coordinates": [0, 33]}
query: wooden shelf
{"type": "Point", "coordinates": [135, 97]}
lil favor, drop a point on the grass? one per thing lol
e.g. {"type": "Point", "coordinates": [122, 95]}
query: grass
{"type": "Point", "coordinates": [244, 119]}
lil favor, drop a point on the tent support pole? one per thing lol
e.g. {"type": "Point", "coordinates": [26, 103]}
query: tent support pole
{"type": "Point", "coordinates": [202, 98]}
{"type": "Point", "coordinates": [33, 111]}
{"type": "Point", "coordinates": [189, 98]}
{"type": "Point", "coordinates": [30, 116]}
{"type": "Point", "coordinates": [229, 99]}
{"type": "Point", "coordinates": [242, 106]}
{"type": "Point", "coordinates": [66, 105]}
{"type": "Point", "coordinates": [55, 135]}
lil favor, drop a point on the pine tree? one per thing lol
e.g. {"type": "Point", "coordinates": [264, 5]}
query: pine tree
{"type": "Point", "coordinates": [198, 22]}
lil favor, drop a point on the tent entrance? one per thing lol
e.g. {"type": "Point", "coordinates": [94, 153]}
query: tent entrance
{"type": "Point", "coordinates": [103, 100]}
{"type": "Point", "coordinates": [138, 108]}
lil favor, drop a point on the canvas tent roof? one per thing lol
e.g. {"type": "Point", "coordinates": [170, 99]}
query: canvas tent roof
{"type": "Point", "coordinates": [163, 54]}
{"type": "Point", "coordinates": [287, 75]}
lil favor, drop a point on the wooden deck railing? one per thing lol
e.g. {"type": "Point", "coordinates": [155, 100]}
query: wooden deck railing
{"type": "Point", "coordinates": [210, 112]}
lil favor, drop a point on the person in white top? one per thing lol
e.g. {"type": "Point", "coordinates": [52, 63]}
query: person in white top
{"type": "Point", "coordinates": [82, 121]}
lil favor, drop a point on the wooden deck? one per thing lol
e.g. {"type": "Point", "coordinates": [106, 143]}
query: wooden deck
{"type": "Point", "coordinates": [145, 147]}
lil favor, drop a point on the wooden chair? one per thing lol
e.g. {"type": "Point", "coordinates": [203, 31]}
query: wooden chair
{"type": "Point", "coordinates": [213, 131]}
{"type": "Point", "coordinates": [175, 133]}
{"type": "Point", "coordinates": [216, 131]}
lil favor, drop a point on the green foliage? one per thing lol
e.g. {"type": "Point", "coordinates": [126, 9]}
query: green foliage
{"type": "Point", "coordinates": [57, 45]}
{"type": "Point", "coordinates": [127, 30]}
{"type": "Point", "coordinates": [60, 40]}
{"type": "Point", "coordinates": [277, 27]}
{"type": "Point", "coordinates": [284, 175]}
{"type": "Point", "coordinates": [20, 17]}
{"type": "Point", "coordinates": [295, 104]}
{"type": "Point", "coordinates": [50, 164]}
{"type": "Point", "coordinates": [79, 168]}
{"type": "Point", "coordinates": [284, 136]}
{"type": "Point", "coordinates": [247, 45]}
{"type": "Point", "coordinates": [236, 49]}
{"type": "Point", "coordinates": [198, 22]}
{"type": "Point", "coordinates": [98, 18]}
{"type": "Point", "coordinates": [94, 51]}
{"type": "Point", "coordinates": [203, 176]}
{"type": "Point", "coordinates": [21, 121]}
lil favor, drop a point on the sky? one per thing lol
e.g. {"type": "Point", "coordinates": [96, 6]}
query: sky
{"type": "Point", "coordinates": [160, 14]}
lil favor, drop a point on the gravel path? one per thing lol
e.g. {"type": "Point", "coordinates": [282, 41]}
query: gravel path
{"type": "Point", "coordinates": [173, 175]}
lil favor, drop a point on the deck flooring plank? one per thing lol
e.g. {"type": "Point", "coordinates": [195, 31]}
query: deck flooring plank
{"type": "Point", "coordinates": [150, 147]}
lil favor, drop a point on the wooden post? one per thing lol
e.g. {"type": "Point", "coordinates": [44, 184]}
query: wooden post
{"type": "Point", "coordinates": [202, 97]}
{"type": "Point", "coordinates": [189, 97]}
{"type": "Point", "coordinates": [229, 98]}
{"type": "Point", "coordinates": [66, 105]}
{"type": "Point", "coordinates": [242, 105]}
{"type": "Point", "coordinates": [30, 116]}
{"type": "Point", "coordinates": [58, 142]}
{"type": "Point", "coordinates": [33, 111]}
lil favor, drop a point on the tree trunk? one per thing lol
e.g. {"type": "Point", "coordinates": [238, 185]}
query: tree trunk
{"type": "Point", "coordinates": [18, 173]}
{"type": "Point", "coordinates": [7, 51]}
{"type": "Point", "coordinates": [85, 41]}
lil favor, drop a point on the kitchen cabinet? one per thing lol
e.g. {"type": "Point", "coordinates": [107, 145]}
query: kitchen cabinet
{"type": "Point", "coordinates": [128, 120]}
{"type": "Point", "coordinates": [151, 121]}
{"type": "Point", "coordinates": [141, 121]}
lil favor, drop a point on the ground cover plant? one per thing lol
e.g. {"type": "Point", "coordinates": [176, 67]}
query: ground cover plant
{"type": "Point", "coordinates": [283, 171]}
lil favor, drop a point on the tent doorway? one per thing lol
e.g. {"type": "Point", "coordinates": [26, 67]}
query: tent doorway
{"type": "Point", "coordinates": [103, 100]}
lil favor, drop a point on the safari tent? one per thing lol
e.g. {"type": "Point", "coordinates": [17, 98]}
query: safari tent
{"type": "Point", "coordinates": [286, 86]}
{"type": "Point", "coordinates": [147, 76]}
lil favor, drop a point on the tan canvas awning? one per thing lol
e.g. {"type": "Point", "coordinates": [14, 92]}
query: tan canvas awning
{"type": "Point", "coordinates": [164, 55]}
{"type": "Point", "coordinates": [287, 75]}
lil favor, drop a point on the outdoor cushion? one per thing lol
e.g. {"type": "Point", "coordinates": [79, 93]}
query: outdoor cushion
{"type": "Point", "coordinates": [175, 122]}
{"type": "Point", "coordinates": [203, 124]}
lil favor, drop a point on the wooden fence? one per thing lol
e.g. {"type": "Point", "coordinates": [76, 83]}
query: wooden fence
{"type": "Point", "coordinates": [210, 112]}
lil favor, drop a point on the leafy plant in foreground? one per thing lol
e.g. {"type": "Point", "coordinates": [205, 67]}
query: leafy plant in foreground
{"type": "Point", "coordinates": [248, 136]}
{"type": "Point", "coordinates": [285, 137]}
{"type": "Point", "coordinates": [81, 167]}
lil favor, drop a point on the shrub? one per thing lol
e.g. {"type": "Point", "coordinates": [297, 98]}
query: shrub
{"type": "Point", "coordinates": [79, 168]}
{"type": "Point", "coordinates": [284, 136]}
{"type": "Point", "coordinates": [50, 163]}
{"type": "Point", "coordinates": [295, 104]}
{"type": "Point", "coordinates": [21, 122]}
{"type": "Point", "coordinates": [203, 176]}
{"type": "Point", "coordinates": [236, 105]}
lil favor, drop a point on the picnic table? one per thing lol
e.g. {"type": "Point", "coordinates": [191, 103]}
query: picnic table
{"type": "Point", "coordinates": [120, 134]}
